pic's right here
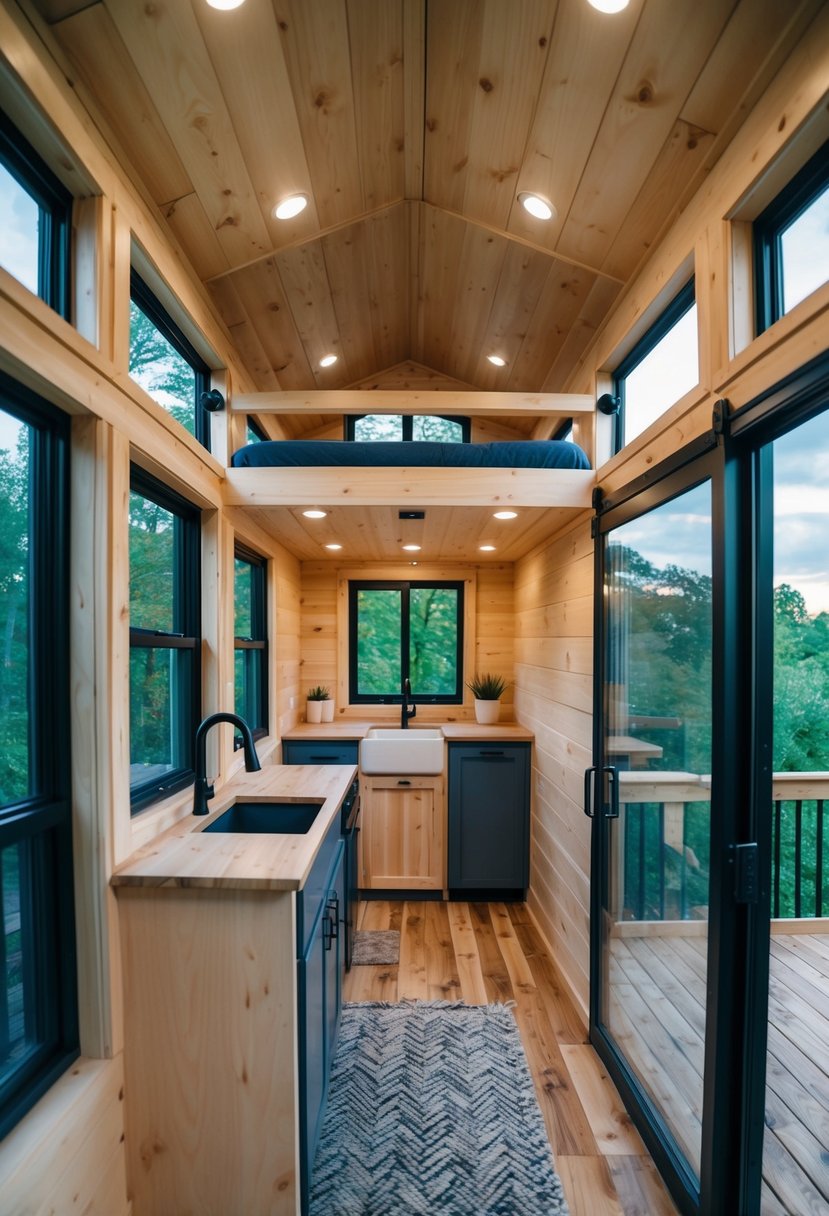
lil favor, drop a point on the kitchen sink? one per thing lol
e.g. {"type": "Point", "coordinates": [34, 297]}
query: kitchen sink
{"type": "Point", "coordinates": [272, 818]}
{"type": "Point", "coordinates": [402, 751]}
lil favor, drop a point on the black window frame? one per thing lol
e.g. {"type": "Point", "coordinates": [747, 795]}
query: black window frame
{"type": "Point", "coordinates": [351, 420]}
{"type": "Point", "coordinates": [144, 298]}
{"type": "Point", "coordinates": [673, 312]}
{"type": "Point", "coordinates": [43, 818]}
{"type": "Point", "coordinates": [404, 586]}
{"type": "Point", "coordinates": [187, 598]}
{"type": "Point", "coordinates": [254, 429]}
{"type": "Point", "coordinates": [259, 634]}
{"type": "Point", "coordinates": [768, 229]}
{"type": "Point", "coordinates": [54, 203]}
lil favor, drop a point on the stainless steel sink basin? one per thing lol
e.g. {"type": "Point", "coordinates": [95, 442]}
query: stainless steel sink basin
{"type": "Point", "coordinates": [271, 818]}
{"type": "Point", "coordinates": [402, 751]}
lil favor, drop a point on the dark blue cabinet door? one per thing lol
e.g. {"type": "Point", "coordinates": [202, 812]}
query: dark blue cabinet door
{"type": "Point", "coordinates": [489, 816]}
{"type": "Point", "coordinates": [334, 961]}
{"type": "Point", "coordinates": [320, 751]}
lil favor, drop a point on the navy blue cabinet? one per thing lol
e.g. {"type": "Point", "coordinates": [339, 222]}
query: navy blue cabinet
{"type": "Point", "coordinates": [319, 975]}
{"type": "Point", "coordinates": [320, 751]}
{"type": "Point", "coordinates": [489, 818]}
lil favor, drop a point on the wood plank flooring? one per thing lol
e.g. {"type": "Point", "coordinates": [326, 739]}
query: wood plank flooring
{"type": "Point", "coordinates": [491, 952]}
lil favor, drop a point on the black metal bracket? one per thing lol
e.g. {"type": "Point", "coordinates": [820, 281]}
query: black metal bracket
{"type": "Point", "coordinates": [212, 401]}
{"type": "Point", "coordinates": [608, 404]}
{"type": "Point", "coordinates": [719, 416]}
{"type": "Point", "coordinates": [746, 872]}
{"type": "Point", "coordinates": [597, 500]}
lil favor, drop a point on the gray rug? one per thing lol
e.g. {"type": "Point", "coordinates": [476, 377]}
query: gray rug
{"type": "Point", "coordinates": [373, 947]}
{"type": "Point", "coordinates": [431, 1112]}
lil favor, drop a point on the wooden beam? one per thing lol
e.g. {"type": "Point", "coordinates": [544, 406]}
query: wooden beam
{"type": "Point", "coordinates": [516, 405]}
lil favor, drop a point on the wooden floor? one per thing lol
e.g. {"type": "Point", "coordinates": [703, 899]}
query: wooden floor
{"type": "Point", "coordinates": [481, 953]}
{"type": "Point", "coordinates": [657, 1013]}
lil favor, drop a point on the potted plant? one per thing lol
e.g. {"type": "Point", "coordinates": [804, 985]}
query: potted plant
{"type": "Point", "coordinates": [318, 705]}
{"type": "Point", "coordinates": [487, 689]}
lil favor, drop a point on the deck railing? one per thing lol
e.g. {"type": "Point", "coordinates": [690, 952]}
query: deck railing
{"type": "Point", "coordinates": [661, 861]}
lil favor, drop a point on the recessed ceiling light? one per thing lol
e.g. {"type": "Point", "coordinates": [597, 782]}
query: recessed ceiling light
{"type": "Point", "coordinates": [314, 514]}
{"type": "Point", "coordinates": [290, 206]}
{"type": "Point", "coordinates": [333, 546]}
{"type": "Point", "coordinates": [328, 360]}
{"type": "Point", "coordinates": [225, 4]}
{"type": "Point", "coordinates": [505, 515]}
{"type": "Point", "coordinates": [609, 6]}
{"type": "Point", "coordinates": [497, 360]}
{"type": "Point", "coordinates": [487, 548]}
{"type": "Point", "coordinates": [540, 207]}
{"type": "Point", "coordinates": [412, 548]}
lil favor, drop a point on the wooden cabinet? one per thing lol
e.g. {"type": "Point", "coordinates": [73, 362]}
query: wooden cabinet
{"type": "Point", "coordinates": [402, 842]}
{"type": "Point", "coordinates": [489, 817]}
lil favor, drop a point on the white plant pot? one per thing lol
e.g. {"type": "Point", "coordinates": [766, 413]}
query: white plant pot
{"type": "Point", "coordinates": [487, 712]}
{"type": "Point", "coordinates": [313, 711]}
{"type": "Point", "coordinates": [327, 711]}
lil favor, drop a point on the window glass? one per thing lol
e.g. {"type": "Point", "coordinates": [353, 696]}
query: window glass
{"type": "Point", "coordinates": [405, 427]}
{"type": "Point", "coordinates": [433, 636]}
{"type": "Point", "coordinates": [15, 669]}
{"type": "Point", "coordinates": [160, 370]}
{"type": "Point", "coordinates": [444, 430]}
{"type": "Point", "coordinates": [19, 224]}
{"type": "Point", "coordinates": [379, 620]}
{"type": "Point", "coordinates": [378, 426]}
{"type": "Point", "coordinates": [250, 630]}
{"type": "Point", "coordinates": [805, 252]}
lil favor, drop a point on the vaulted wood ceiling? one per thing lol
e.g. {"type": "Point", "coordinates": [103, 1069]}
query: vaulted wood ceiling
{"type": "Point", "coordinates": [412, 125]}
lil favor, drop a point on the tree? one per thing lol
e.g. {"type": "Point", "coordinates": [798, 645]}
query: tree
{"type": "Point", "coordinates": [160, 370]}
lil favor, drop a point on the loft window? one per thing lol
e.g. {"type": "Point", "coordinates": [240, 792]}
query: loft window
{"type": "Point", "coordinates": [661, 368]}
{"type": "Point", "coordinates": [35, 221]}
{"type": "Point", "coordinates": [405, 427]}
{"type": "Point", "coordinates": [251, 640]}
{"type": "Point", "coordinates": [165, 629]}
{"type": "Point", "coordinates": [255, 434]}
{"type": "Point", "coordinates": [405, 630]}
{"type": "Point", "coordinates": [38, 985]}
{"type": "Point", "coordinates": [165, 363]}
{"type": "Point", "coordinates": [791, 242]}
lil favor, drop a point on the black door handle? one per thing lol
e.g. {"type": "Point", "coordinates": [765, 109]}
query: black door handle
{"type": "Point", "coordinates": [611, 811]}
{"type": "Point", "coordinates": [589, 775]}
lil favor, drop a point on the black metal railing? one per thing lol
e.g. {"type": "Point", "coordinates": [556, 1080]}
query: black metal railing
{"type": "Point", "coordinates": [797, 886]}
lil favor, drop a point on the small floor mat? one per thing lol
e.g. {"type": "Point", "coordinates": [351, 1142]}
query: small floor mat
{"type": "Point", "coordinates": [374, 947]}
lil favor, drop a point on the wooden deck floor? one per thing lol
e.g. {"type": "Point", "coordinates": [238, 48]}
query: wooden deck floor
{"type": "Point", "coordinates": [658, 1012]}
{"type": "Point", "coordinates": [491, 952]}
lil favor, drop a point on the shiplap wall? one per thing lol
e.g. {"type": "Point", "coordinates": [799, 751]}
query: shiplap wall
{"type": "Point", "coordinates": [494, 631]}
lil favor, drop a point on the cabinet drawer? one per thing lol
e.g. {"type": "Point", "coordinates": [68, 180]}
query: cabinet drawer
{"type": "Point", "coordinates": [319, 751]}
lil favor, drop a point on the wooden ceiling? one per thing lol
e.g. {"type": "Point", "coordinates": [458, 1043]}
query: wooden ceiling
{"type": "Point", "coordinates": [412, 126]}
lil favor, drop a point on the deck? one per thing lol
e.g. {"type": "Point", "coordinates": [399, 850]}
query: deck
{"type": "Point", "coordinates": [658, 1013]}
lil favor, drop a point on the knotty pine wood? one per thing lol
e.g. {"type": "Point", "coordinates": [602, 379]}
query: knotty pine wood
{"type": "Point", "coordinates": [482, 953]}
{"type": "Point", "coordinates": [402, 843]}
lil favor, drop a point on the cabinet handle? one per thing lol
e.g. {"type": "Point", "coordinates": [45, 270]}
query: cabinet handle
{"type": "Point", "coordinates": [404, 783]}
{"type": "Point", "coordinates": [331, 919]}
{"type": "Point", "coordinates": [324, 759]}
{"type": "Point", "coordinates": [490, 753]}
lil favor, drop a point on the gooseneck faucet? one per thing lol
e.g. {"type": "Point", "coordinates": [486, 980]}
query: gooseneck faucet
{"type": "Point", "coordinates": [408, 709]}
{"type": "Point", "coordinates": [203, 790]}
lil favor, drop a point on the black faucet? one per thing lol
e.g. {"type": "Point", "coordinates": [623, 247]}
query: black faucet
{"type": "Point", "coordinates": [204, 791]}
{"type": "Point", "coordinates": [407, 709]}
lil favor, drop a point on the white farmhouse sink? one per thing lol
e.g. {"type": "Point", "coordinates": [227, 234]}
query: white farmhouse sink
{"type": "Point", "coordinates": [402, 751]}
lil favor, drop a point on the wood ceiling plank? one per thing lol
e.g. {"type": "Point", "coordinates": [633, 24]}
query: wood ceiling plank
{"type": "Point", "coordinates": [248, 57]}
{"type": "Point", "coordinates": [442, 237]}
{"type": "Point", "coordinates": [585, 56]}
{"type": "Point", "coordinates": [523, 276]}
{"type": "Point", "coordinates": [481, 259]}
{"type": "Point", "coordinates": [514, 48]}
{"type": "Point", "coordinates": [667, 54]}
{"type": "Point", "coordinates": [409, 374]}
{"type": "Point", "coordinates": [304, 278]}
{"type": "Point", "coordinates": [245, 338]}
{"type": "Point", "coordinates": [389, 297]}
{"type": "Point", "coordinates": [166, 45]}
{"type": "Point", "coordinates": [681, 159]}
{"type": "Point", "coordinates": [417, 252]}
{"type": "Point", "coordinates": [414, 95]}
{"type": "Point", "coordinates": [375, 29]}
{"type": "Point", "coordinates": [191, 226]}
{"type": "Point", "coordinates": [104, 65]}
{"type": "Point", "coordinates": [600, 300]}
{"type": "Point", "coordinates": [349, 271]}
{"type": "Point", "coordinates": [260, 292]}
{"type": "Point", "coordinates": [57, 10]}
{"type": "Point", "coordinates": [558, 305]}
{"type": "Point", "coordinates": [315, 46]}
{"type": "Point", "coordinates": [453, 46]}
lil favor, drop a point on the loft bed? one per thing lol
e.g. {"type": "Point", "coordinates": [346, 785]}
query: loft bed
{"type": "Point", "coordinates": [536, 472]}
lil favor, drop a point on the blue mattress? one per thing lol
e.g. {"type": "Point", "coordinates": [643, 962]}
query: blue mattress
{"type": "Point", "coordinates": [512, 454]}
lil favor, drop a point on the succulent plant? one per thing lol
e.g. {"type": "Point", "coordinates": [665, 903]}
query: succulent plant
{"type": "Point", "coordinates": [487, 687]}
{"type": "Point", "coordinates": [319, 693]}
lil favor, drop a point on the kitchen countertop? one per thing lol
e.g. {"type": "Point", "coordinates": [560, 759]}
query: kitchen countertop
{"type": "Point", "coordinates": [452, 731]}
{"type": "Point", "coordinates": [186, 856]}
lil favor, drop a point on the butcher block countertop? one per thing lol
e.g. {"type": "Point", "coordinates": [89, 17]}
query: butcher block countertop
{"type": "Point", "coordinates": [452, 731]}
{"type": "Point", "coordinates": [186, 856]}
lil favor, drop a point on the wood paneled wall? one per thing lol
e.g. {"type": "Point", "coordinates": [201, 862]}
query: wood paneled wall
{"type": "Point", "coordinates": [494, 631]}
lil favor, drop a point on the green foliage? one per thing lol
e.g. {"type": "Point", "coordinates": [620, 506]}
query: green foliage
{"type": "Point", "coordinates": [14, 619]}
{"type": "Point", "coordinates": [161, 371]}
{"type": "Point", "coordinates": [319, 693]}
{"type": "Point", "coordinates": [486, 686]}
{"type": "Point", "coordinates": [432, 640]}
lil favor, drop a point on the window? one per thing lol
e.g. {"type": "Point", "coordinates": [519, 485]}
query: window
{"type": "Point", "coordinates": [38, 985]}
{"type": "Point", "coordinates": [791, 242]}
{"type": "Point", "coordinates": [35, 221]}
{"type": "Point", "coordinates": [251, 640]}
{"type": "Point", "coordinates": [662, 366]}
{"type": "Point", "coordinates": [165, 628]}
{"type": "Point", "coordinates": [255, 434]}
{"type": "Point", "coordinates": [400, 631]}
{"type": "Point", "coordinates": [165, 364]}
{"type": "Point", "coordinates": [405, 427]}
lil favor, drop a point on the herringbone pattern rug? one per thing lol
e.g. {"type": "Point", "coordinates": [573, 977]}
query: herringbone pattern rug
{"type": "Point", "coordinates": [431, 1112]}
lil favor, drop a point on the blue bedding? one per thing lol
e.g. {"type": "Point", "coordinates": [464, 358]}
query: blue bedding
{"type": "Point", "coordinates": [511, 454]}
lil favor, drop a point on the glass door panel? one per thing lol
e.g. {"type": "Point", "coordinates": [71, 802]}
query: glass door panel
{"type": "Point", "coordinates": [656, 805]}
{"type": "Point", "coordinates": [796, 1142]}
